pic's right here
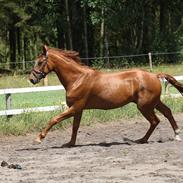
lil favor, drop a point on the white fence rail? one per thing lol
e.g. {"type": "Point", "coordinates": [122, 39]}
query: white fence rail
{"type": "Point", "coordinates": [8, 98]}
{"type": "Point", "coordinates": [167, 87]}
{"type": "Point", "coordinates": [30, 89]}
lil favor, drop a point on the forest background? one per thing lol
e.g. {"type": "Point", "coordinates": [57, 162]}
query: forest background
{"type": "Point", "coordinates": [94, 28]}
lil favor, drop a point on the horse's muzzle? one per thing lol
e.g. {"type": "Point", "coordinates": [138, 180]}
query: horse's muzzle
{"type": "Point", "coordinates": [34, 81]}
{"type": "Point", "coordinates": [36, 76]}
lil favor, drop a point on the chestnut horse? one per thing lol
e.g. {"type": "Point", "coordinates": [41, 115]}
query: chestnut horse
{"type": "Point", "coordinates": [87, 88]}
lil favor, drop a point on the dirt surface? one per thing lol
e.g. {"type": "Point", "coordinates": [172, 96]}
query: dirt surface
{"type": "Point", "coordinates": [102, 155]}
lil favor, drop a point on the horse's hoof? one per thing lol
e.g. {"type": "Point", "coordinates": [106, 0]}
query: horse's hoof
{"type": "Point", "coordinates": [129, 141]}
{"type": "Point", "coordinates": [68, 145]}
{"type": "Point", "coordinates": [177, 138]}
{"type": "Point", "coordinates": [37, 140]}
{"type": "Point", "coordinates": [141, 141]}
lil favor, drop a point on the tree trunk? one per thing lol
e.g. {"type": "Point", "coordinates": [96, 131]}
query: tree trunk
{"type": "Point", "coordinates": [149, 27]}
{"type": "Point", "coordinates": [30, 49]}
{"type": "Point", "coordinates": [12, 42]}
{"type": "Point", "coordinates": [102, 31]}
{"type": "Point", "coordinates": [20, 47]}
{"type": "Point", "coordinates": [106, 50]}
{"type": "Point", "coordinates": [25, 40]}
{"type": "Point", "coordinates": [165, 35]}
{"type": "Point", "coordinates": [85, 34]}
{"type": "Point", "coordinates": [70, 46]}
{"type": "Point", "coordinates": [60, 37]}
{"type": "Point", "coordinates": [164, 17]}
{"type": "Point", "coordinates": [175, 22]}
{"type": "Point", "coordinates": [60, 26]}
{"type": "Point", "coordinates": [141, 34]}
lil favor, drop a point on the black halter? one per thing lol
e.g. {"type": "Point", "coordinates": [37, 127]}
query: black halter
{"type": "Point", "coordinates": [40, 74]}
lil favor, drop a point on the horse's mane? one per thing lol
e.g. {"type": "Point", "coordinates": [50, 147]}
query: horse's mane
{"type": "Point", "coordinates": [73, 55]}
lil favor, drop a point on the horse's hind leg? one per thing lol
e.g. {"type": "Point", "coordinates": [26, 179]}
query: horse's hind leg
{"type": "Point", "coordinates": [154, 121]}
{"type": "Point", "coordinates": [161, 107]}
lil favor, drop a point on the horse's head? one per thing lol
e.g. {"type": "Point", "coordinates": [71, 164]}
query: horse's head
{"type": "Point", "coordinates": [41, 68]}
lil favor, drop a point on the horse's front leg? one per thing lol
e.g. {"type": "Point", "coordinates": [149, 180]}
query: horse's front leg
{"type": "Point", "coordinates": [75, 127]}
{"type": "Point", "coordinates": [66, 114]}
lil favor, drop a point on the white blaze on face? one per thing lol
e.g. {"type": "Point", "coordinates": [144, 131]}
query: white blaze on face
{"type": "Point", "coordinates": [36, 63]}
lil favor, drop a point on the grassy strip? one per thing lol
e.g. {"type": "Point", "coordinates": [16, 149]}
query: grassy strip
{"type": "Point", "coordinates": [33, 122]}
{"type": "Point", "coordinates": [37, 99]}
{"type": "Point", "coordinates": [18, 81]}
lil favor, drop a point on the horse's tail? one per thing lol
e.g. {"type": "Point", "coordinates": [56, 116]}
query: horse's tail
{"type": "Point", "coordinates": [172, 80]}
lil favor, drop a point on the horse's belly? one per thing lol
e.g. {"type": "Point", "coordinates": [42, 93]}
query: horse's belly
{"type": "Point", "coordinates": [111, 102]}
{"type": "Point", "coordinates": [112, 94]}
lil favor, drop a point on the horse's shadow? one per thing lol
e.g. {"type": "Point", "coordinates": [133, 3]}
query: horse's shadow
{"type": "Point", "coordinates": [101, 144]}
{"type": "Point", "coordinates": [126, 141]}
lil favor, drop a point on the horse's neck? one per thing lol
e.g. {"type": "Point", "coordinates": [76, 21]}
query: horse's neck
{"type": "Point", "coordinates": [68, 73]}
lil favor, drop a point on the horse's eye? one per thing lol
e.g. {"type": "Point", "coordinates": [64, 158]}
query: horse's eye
{"type": "Point", "coordinates": [39, 63]}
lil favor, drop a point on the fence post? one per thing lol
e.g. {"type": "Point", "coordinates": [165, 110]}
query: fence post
{"type": "Point", "coordinates": [8, 102]}
{"type": "Point", "coordinates": [150, 61]}
{"type": "Point", "coordinates": [45, 81]}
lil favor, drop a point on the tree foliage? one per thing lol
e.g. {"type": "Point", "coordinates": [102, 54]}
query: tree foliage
{"type": "Point", "coordinates": [92, 27]}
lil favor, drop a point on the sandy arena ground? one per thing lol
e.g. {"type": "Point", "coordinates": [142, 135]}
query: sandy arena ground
{"type": "Point", "coordinates": [102, 155]}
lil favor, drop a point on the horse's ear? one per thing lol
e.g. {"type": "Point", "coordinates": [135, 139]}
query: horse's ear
{"type": "Point", "coordinates": [45, 50]}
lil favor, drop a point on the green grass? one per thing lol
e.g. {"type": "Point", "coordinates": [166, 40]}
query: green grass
{"type": "Point", "coordinates": [37, 99]}
{"type": "Point", "coordinates": [18, 81]}
{"type": "Point", "coordinates": [33, 122]}
{"type": "Point", "coordinates": [172, 69]}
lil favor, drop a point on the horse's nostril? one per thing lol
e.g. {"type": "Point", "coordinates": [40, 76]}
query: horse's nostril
{"type": "Point", "coordinates": [33, 81]}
